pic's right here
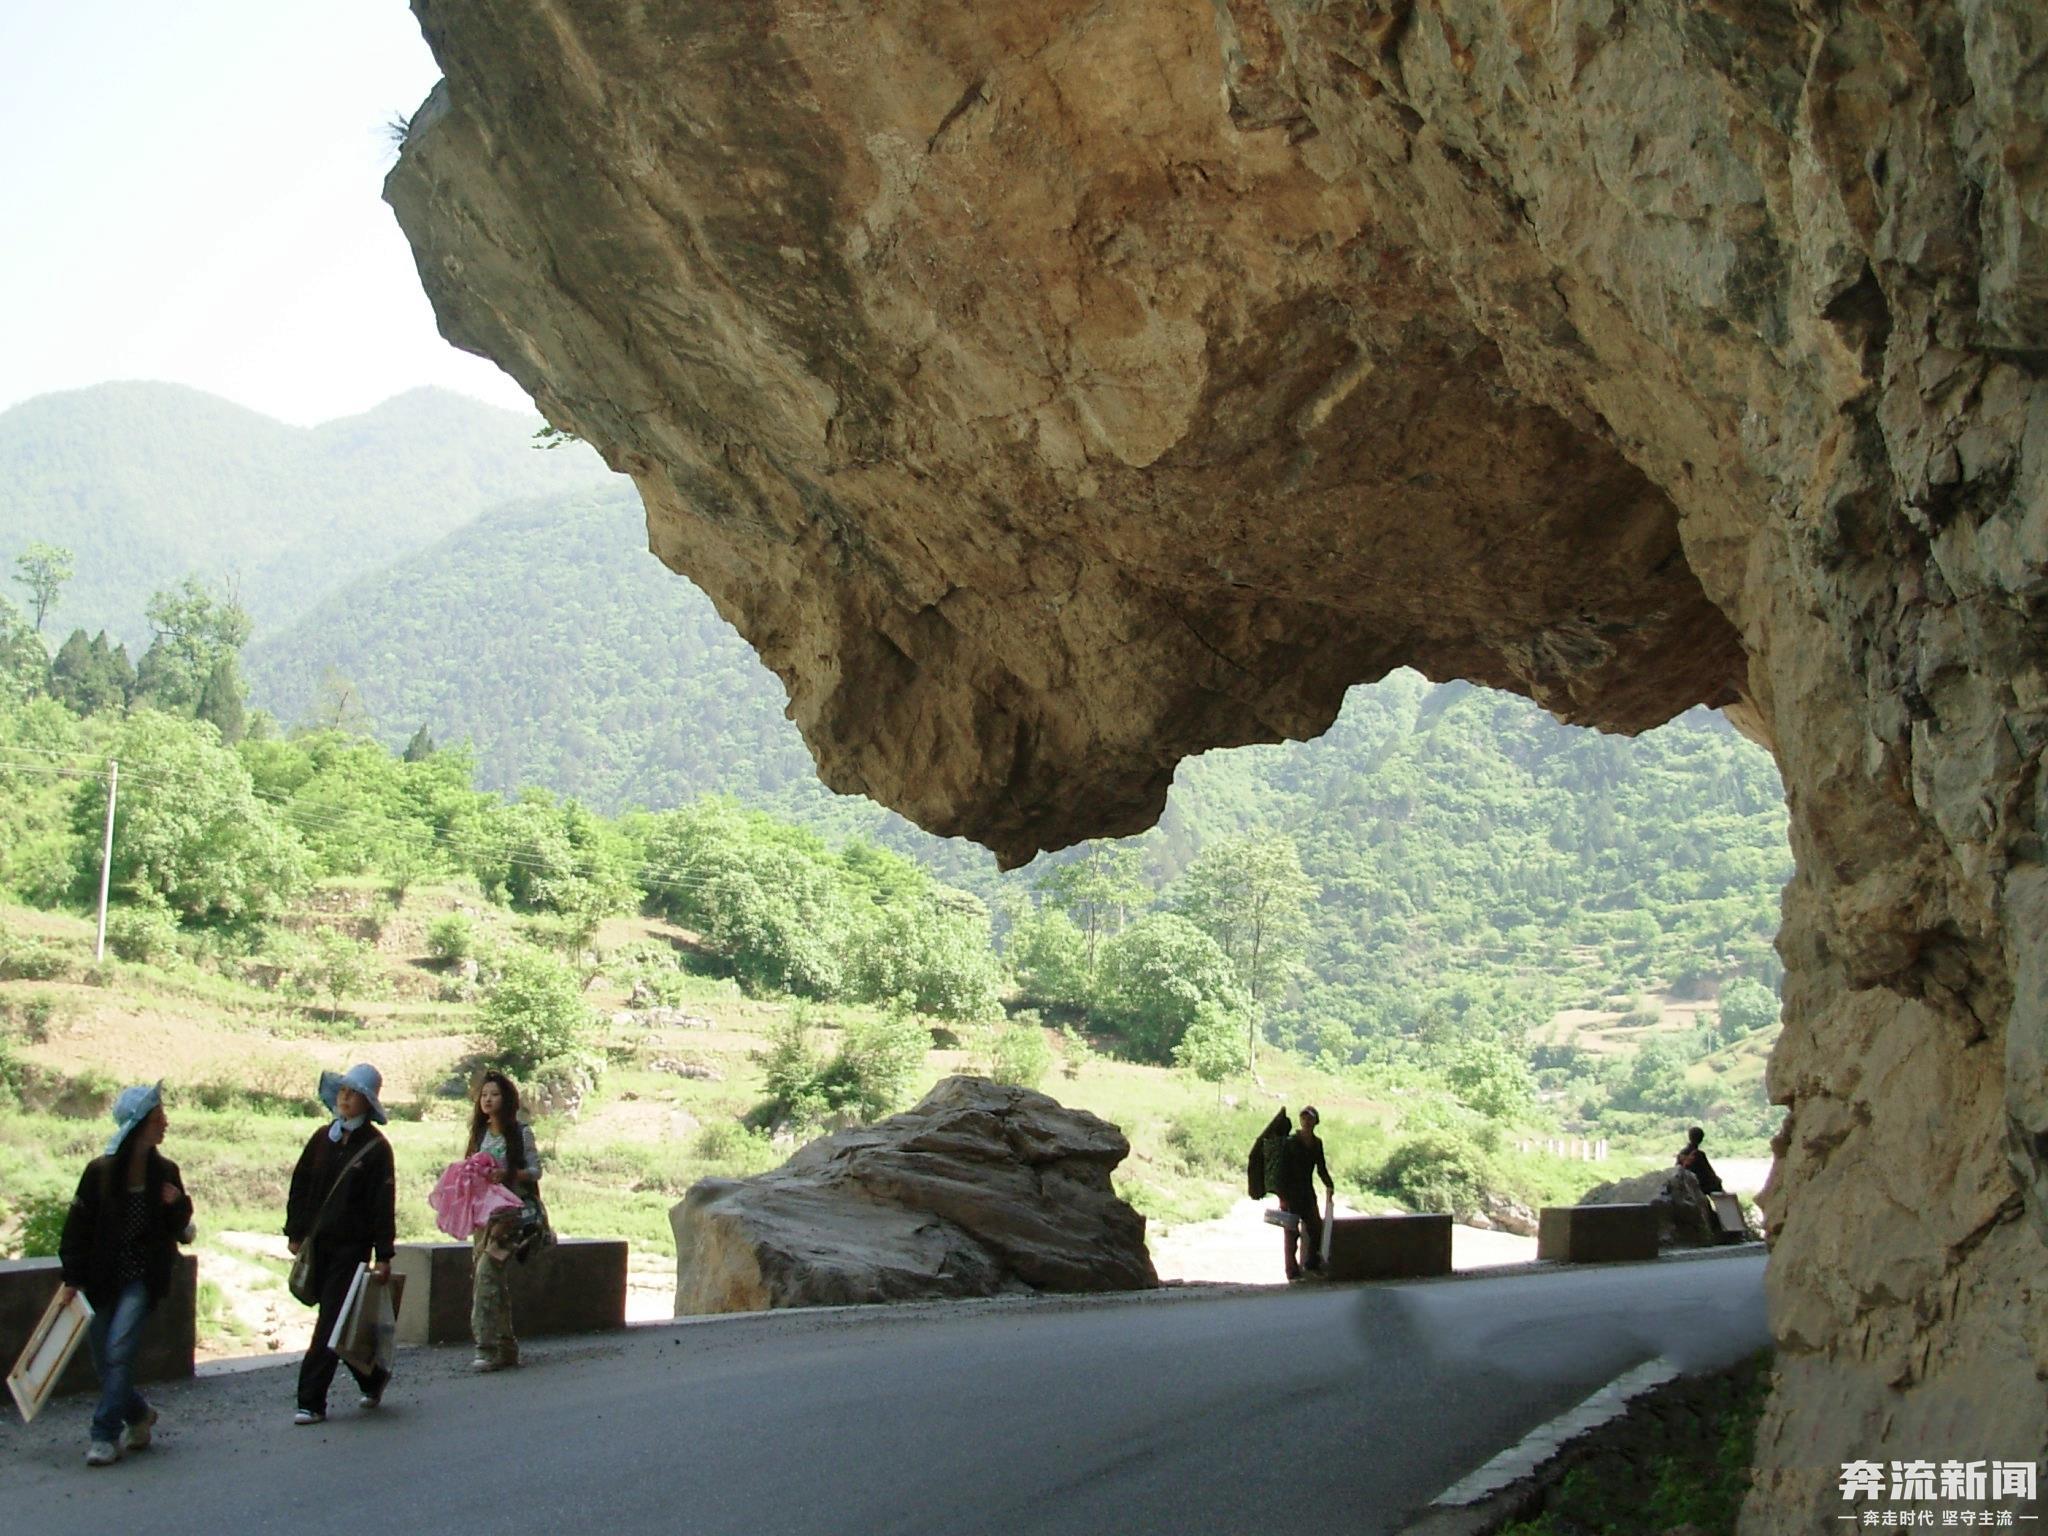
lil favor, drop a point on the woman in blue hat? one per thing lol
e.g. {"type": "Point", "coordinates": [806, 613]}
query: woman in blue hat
{"type": "Point", "coordinates": [343, 1201]}
{"type": "Point", "coordinates": [120, 1239]}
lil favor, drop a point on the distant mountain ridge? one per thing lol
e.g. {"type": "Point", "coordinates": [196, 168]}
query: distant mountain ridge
{"type": "Point", "coordinates": [147, 483]}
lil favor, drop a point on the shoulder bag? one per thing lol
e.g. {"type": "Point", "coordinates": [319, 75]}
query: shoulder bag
{"type": "Point", "coordinates": [301, 1283]}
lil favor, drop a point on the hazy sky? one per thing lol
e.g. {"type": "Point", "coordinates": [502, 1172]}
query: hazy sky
{"type": "Point", "coordinates": [191, 193]}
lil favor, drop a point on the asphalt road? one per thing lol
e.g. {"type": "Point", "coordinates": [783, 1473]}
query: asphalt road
{"type": "Point", "coordinates": [1330, 1408]}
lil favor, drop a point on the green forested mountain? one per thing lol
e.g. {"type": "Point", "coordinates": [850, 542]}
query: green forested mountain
{"type": "Point", "coordinates": [149, 483]}
{"type": "Point", "coordinates": [546, 635]}
{"type": "Point", "coordinates": [1478, 863]}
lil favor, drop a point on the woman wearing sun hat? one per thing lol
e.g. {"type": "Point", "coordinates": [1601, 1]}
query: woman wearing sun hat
{"type": "Point", "coordinates": [344, 1201]}
{"type": "Point", "coordinates": [120, 1239]}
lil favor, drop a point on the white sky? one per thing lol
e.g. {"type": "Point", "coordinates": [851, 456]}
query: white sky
{"type": "Point", "coordinates": [191, 193]}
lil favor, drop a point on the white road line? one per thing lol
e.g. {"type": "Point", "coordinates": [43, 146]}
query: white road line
{"type": "Point", "coordinates": [1540, 1444]}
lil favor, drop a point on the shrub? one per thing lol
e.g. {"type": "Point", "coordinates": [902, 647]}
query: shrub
{"type": "Point", "coordinates": [1020, 1056]}
{"type": "Point", "coordinates": [452, 937]}
{"type": "Point", "coordinates": [147, 935]}
{"type": "Point", "coordinates": [792, 1067]}
{"type": "Point", "coordinates": [650, 973]}
{"type": "Point", "coordinates": [335, 966]}
{"type": "Point", "coordinates": [876, 1061]}
{"type": "Point", "coordinates": [42, 1225]}
{"type": "Point", "coordinates": [1438, 1171]}
{"type": "Point", "coordinates": [733, 1146]}
{"type": "Point", "coordinates": [1075, 1051]}
{"type": "Point", "coordinates": [865, 1079]}
{"type": "Point", "coordinates": [1216, 1046]}
{"type": "Point", "coordinates": [1212, 1143]}
{"type": "Point", "coordinates": [27, 959]}
{"type": "Point", "coordinates": [36, 1015]}
{"type": "Point", "coordinates": [1746, 1007]}
{"type": "Point", "coordinates": [534, 1011]}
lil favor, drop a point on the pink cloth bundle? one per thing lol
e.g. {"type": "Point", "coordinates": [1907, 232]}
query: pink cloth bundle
{"type": "Point", "coordinates": [465, 1198]}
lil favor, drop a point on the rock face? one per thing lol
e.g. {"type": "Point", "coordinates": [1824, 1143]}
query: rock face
{"type": "Point", "coordinates": [1051, 392]}
{"type": "Point", "coordinates": [979, 1190]}
{"type": "Point", "coordinates": [1685, 1216]}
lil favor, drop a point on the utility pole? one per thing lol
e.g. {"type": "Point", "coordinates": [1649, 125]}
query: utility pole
{"type": "Point", "coordinates": [99, 949]}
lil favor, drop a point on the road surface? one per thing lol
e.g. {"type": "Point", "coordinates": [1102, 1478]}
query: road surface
{"type": "Point", "coordinates": [1330, 1408]}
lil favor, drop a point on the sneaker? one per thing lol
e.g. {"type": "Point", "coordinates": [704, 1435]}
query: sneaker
{"type": "Point", "coordinates": [309, 1416]}
{"type": "Point", "coordinates": [370, 1400]}
{"type": "Point", "coordinates": [484, 1363]}
{"type": "Point", "coordinates": [136, 1436]}
{"type": "Point", "coordinates": [102, 1453]}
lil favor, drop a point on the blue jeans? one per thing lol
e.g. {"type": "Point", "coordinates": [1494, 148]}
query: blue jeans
{"type": "Point", "coordinates": [115, 1336]}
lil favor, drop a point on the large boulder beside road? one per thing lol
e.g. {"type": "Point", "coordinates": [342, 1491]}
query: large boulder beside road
{"type": "Point", "coordinates": [980, 1190]}
{"type": "Point", "coordinates": [1685, 1216]}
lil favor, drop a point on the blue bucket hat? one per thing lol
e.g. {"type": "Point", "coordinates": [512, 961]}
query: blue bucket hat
{"type": "Point", "coordinates": [131, 1108]}
{"type": "Point", "coordinates": [362, 1077]}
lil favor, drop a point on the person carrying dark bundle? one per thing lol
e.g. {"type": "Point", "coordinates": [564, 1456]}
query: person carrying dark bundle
{"type": "Point", "coordinates": [343, 1201]}
{"type": "Point", "coordinates": [120, 1241]}
{"type": "Point", "coordinates": [1301, 1162]}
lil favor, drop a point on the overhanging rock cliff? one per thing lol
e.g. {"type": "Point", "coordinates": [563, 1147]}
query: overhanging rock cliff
{"type": "Point", "coordinates": [1052, 392]}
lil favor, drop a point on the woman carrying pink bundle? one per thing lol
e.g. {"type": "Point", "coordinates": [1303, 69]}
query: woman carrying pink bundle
{"type": "Point", "coordinates": [499, 1136]}
{"type": "Point", "coordinates": [469, 1193]}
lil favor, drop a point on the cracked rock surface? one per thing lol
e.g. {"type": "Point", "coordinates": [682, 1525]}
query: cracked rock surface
{"type": "Point", "coordinates": [1052, 392]}
{"type": "Point", "coordinates": [980, 1190]}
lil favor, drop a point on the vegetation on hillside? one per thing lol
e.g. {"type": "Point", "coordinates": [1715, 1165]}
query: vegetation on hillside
{"type": "Point", "coordinates": [147, 483]}
{"type": "Point", "coordinates": [1408, 930]}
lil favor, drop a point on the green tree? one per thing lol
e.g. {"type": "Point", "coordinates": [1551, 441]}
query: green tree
{"type": "Point", "coordinates": [24, 664]}
{"type": "Point", "coordinates": [1097, 889]}
{"type": "Point", "coordinates": [188, 828]}
{"type": "Point", "coordinates": [1490, 1079]}
{"type": "Point", "coordinates": [43, 569]}
{"type": "Point", "coordinates": [1249, 894]}
{"type": "Point", "coordinates": [1050, 957]}
{"type": "Point", "coordinates": [421, 747]}
{"type": "Point", "coordinates": [193, 628]}
{"type": "Point", "coordinates": [1019, 1055]}
{"type": "Point", "coordinates": [337, 966]}
{"type": "Point", "coordinates": [1156, 975]}
{"type": "Point", "coordinates": [91, 677]}
{"type": "Point", "coordinates": [1746, 1007]}
{"type": "Point", "coordinates": [534, 1011]}
{"type": "Point", "coordinates": [933, 948]}
{"type": "Point", "coordinates": [878, 1057]}
{"type": "Point", "coordinates": [220, 700]}
{"type": "Point", "coordinates": [340, 706]}
{"type": "Point", "coordinates": [1213, 1048]}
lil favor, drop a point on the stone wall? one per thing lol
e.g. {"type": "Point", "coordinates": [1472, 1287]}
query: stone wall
{"type": "Point", "coordinates": [1052, 392]}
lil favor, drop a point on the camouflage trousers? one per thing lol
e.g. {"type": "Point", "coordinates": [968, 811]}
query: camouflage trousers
{"type": "Point", "coordinates": [490, 1306]}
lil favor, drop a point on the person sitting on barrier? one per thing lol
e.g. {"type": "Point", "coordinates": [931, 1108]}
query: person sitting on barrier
{"type": "Point", "coordinates": [1301, 1160]}
{"type": "Point", "coordinates": [120, 1241]}
{"type": "Point", "coordinates": [1693, 1158]}
{"type": "Point", "coordinates": [343, 1200]}
{"type": "Point", "coordinates": [496, 1130]}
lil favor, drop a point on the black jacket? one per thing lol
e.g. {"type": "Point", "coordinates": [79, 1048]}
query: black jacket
{"type": "Point", "coordinates": [91, 1245]}
{"type": "Point", "coordinates": [1299, 1165]}
{"type": "Point", "coordinates": [364, 1211]}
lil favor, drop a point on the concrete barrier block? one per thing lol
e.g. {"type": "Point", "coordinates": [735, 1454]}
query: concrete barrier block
{"type": "Point", "coordinates": [1596, 1234]}
{"type": "Point", "coordinates": [168, 1338]}
{"type": "Point", "coordinates": [1389, 1247]}
{"type": "Point", "coordinates": [577, 1286]}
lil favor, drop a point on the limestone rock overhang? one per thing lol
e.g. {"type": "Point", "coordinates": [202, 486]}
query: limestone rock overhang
{"type": "Point", "coordinates": [1031, 390]}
